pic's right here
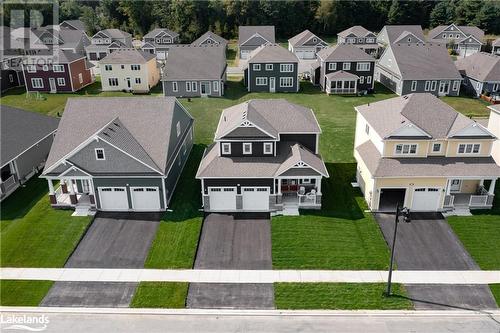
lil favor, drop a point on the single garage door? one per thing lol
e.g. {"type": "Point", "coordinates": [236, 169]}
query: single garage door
{"type": "Point", "coordinates": [426, 199]}
{"type": "Point", "coordinates": [222, 198]}
{"type": "Point", "coordinates": [113, 198]}
{"type": "Point", "coordinates": [145, 198]}
{"type": "Point", "coordinates": [390, 198]}
{"type": "Point", "coordinates": [255, 198]}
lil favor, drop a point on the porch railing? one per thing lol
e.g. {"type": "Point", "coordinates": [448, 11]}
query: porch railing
{"type": "Point", "coordinates": [448, 200]}
{"type": "Point", "coordinates": [478, 200]}
{"type": "Point", "coordinates": [342, 91]}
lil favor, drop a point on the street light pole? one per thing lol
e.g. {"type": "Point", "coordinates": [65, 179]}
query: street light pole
{"type": "Point", "coordinates": [389, 281]}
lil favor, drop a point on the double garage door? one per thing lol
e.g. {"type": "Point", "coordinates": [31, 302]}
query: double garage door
{"type": "Point", "coordinates": [305, 54]}
{"type": "Point", "coordinates": [142, 198]}
{"type": "Point", "coordinates": [253, 198]}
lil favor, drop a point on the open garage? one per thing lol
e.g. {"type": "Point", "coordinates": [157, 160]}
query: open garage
{"type": "Point", "coordinates": [390, 197]}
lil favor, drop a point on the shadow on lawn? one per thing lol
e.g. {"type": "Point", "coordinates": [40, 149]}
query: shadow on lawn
{"type": "Point", "coordinates": [19, 203]}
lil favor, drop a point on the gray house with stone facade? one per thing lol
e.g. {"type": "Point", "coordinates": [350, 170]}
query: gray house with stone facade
{"type": "Point", "coordinates": [118, 153]}
{"type": "Point", "coordinates": [265, 158]}
{"type": "Point", "coordinates": [252, 36]}
{"type": "Point", "coordinates": [481, 73]}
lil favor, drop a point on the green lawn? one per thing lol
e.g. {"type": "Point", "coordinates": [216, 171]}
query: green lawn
{"type": "Point", "coordinates": [23, 292]}
{"type": "Point", "coordinates": [33, 234]}
{"type": "Point", "coordinates": [232, 53]}
{"type": "Point", "coordinates": [495, 289]}
{"type": "Point", "coordinates": [339, 296]}
{"type": "Point", "coordinates": [160, 295]}
{"type": "Point", "coordinates": [471, 107]}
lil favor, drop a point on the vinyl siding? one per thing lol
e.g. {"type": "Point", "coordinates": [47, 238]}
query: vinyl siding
{"type": "Point", "coordinates": [275, 72]}
{"type": "Point", "coordinates": [33, 157]}
{"type": "Point", "coordinates": [182, 92]}
{"type": "Point", "coordinates": [149, 75]}
{"type": "Point", "coordinates": [365, 74]}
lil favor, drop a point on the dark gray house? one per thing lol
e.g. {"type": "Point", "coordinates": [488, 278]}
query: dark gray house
{"type": "Point", "coordinates": [306, 44]}
{"type": "Point", "coordinates": [26, 138]}
{"type": "Point", "coordinates": [11, 73]}
{"type": "Point", "coordinates": [343, 69]}
{"type": "Point", "coordinates": [251, 37]}
{"type": "Point", "coordinates": [264, 159]}
{"type": "Point", "coordinates": [119, 153]}
{"type": "Point", "coordinates": [481, 73]}
{"type": "Point", "coordinates": [462, 39]}
{"type": "Point", "coordinates": [392, 34]}
{"type": "Point", "coordinates": [359, 37]}
{"type": "Point", "coordinates": [159, 41]}
{"type": "Point", "coordinates": [195, 71]}
{"type": "Point", "coordinates": [209, 38]}
{"type": "Point", "coordinates": [272, 68]}
{"type": "Point", "coordinates": [106, 41]}
{"type": "Point", "coordinates": [417, 68]}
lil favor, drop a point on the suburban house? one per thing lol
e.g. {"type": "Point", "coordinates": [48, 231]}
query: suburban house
{"type": "Point", "coordinates": [73, 25]}
{"type": "Point", "coordinates": [127, 154]}
{"type": "Point", "coordinates": [11, 73]}
{"type": "Point", "coordinates": [418, 68]}
{"type": "Point", "coordinates": [418, 151]}
{"type": "Point", "coordinates": [129, 70]}
{"type": "Point", "coordinates": [359, 37]}
{"type": "Point", "coordinates": [343, 69]}
{"type": "Point", "coordinates": [26, 138]}
{"type": "Point", "coordinates": [106, 41]}
{"type": "Point", "coordinates": [65, 39]}
{"type": "Point", "coordinates": [481, 73]}
{"type": "Point", "coordinates": [158, 41]}
{"type": "Point", "coordinates": [392, 34]}
{"type": "Point", "coordinates": [494, 128]}
{"type": "Point", "coordinates": [462, 39]}
{"type": "Point", "coordinates": [210, 38]}
{"type": "Point", "coordinates": [271, 68]}
{"type": "Point", "coordinates": [264, 159]}
{"type": "Point", "coordinates": [195, 71]}
{"type": "Point", "coordinates": [65, 72]}
{"type": "Point", "coordinates": [495, 47]}
{"type": "Point", "coordinates": [306, 44]}
{"type": "Point", "coordinates": [251, 37]}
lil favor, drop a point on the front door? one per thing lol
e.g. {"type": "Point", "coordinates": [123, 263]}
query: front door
{"type": "Point", "coordinates": [272, 84]}
{"type": "Point", "coordinates": [205, 88]}
{"type": "Point", "coordinates": [52, 83]}
{"type": "Point", "coordinates": [444, 88]}
{"type": "Point", "coordinates": [455, 185]}
{"type": "Point", "coordinates": [85, 186]}
{"type": "Point", "coordinates": [128, 82]}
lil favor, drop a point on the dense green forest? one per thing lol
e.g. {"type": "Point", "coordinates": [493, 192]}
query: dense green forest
{"type": "Point", "coordinates": [191, 18]}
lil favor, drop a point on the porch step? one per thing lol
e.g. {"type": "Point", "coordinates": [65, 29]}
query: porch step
{"type": "Point", "coordinates": [82, 211]}
{"type": "Point", "coordinates": [458, 211]}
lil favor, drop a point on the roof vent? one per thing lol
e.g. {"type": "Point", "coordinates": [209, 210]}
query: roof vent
{"type": "Point", "coordinates": [105, 133]}
{"type": "Point", "coordinates": [111, 129]}
{"type": "Point", "coordinates": [116, 124]}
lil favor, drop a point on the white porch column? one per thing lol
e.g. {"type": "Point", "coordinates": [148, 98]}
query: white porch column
{"type": "Point", "coordinates": [51, 187]}
{"type": "Point", "coordinates": [481, 182]}
{"type": "Point", "coordinates": [279, 186]}
{"type": "Point", "coordinates": [69, 183]}
{"type": "Point", "coordinates": [492, 186]}
{"type": "Point", "coordinates": [318, 185]}
{"type": "Point", "coordinates": [448, 187]}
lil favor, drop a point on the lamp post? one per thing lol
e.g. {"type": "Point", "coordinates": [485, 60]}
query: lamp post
{"type": "Point", "coordinates": [405, 212]}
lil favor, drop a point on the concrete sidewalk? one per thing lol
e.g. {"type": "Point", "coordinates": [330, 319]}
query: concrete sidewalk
{"type": "Point", "coordinates": [247, 276]}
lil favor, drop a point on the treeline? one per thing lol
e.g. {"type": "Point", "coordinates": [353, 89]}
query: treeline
{"type": "Point", "coordinates": [191, 18]}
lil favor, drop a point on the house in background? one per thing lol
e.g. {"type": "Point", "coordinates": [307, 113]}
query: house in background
{"type": "Point", "coordinates": [494, 128]}
{"type": "Point", "coordinates": [158, 41]}
{"type": "Point", "coordinates": [265, 159]}
{"type": "Point", "coordinates": [11, 73]}
{"type": "Point", "coordinates": [462, 39]}
{"type": "Point", "coordinates": [129, 70]}
{"type": "Point", "coordinates": [73, 25]}
{"type": "Point", "coordinates": [106, 41]}
{"type": "Point", "coordinates": [481, 73]}
{"type": "Point", "coordinates": [195, 71]}
{"type": "Point", "coordinates": [393, 34]}
{"type": "Point", "coordinates": [271, 68]}
{"type": "Point", "coordinates": [343, 69]}
{"type": "Point", "coordinates": [65, 39]}
{"type": "Point", "coordinates": [417, 68]}
{"type": "Point", "coordinates": [251, 37]}
{"type": "Point", "coordinates": [495, 47]}
{"type": "Point", "coordinates": [417, 151]}
{"type": "Point", "coordinates": [26, 138]}
{"type": "Point", "coordinates": [306, 45]}
{"type": "Point", "coordinates": [127, 154]}
{"type": "Point", "coordinates": [359, 37]}
{"type": "Point", "coordinates": [209, 38]}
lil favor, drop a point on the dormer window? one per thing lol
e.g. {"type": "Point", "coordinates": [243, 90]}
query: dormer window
{"type": "Point", "coordinates": [247, 148]}
{"type": "Point", "coordinates": [469, 148]}
{"type": "Point", "coordinates": [406, 149]}
{"type": "Point", "coordinates": [436, 148]}
{"type": "Point", "coordinates": [99, 154]}
{"type": "Point", "coordinates": [226, 148]}
{"type": "Point", "coordinates": [268, 148]}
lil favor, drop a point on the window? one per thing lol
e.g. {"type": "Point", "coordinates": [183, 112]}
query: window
{"type": "Point", "coordinates": [346, 66]}
{"type": "Point", "coordinates": [216, 85]}
{"type": "Point", "coordinates": [268, 148]}
{"type": "Point", "coordinates": [286, 82]}
{"type": "Point", "coordinates": [361, 79]}
{"type": "Point", "coordinates": [367, 129]}
{"type": "Point", "coordinates": [332, 66]}
{"type": "Point", "coordinates": [370, 40]}
{"type": "Point", "coordinates": [37, 83]}
{"type": "Point", "coordinates": [409, 39]}
{"type": "Point", "coordinates": [58, 68]}
{"type": "Point", "coordinates": [226, 148]}
{"type": "Point", "coordinates": [363, 66]}
{"type": "Point", "coordinates": [247, 148]}
{"type": "Point", "coordinates": [194, 86]}
{"type": "Point", "coordinates": [444, 35]}
{"type": "Point", "coordinates": [175, 88]}
{"type": "Point", "coordinates": [11, 78]}
{"type": "Point", "coordinates": [61, 81]}
{"type": "Point", "coordinates": [413, 85]}
{"type": "Point", "coordinates": [261, 81]}
{"type": "Point", "coordinates": [406, 149]}
{"type": "Point", "coordinates": [457, 35]}
{"type": "Point", "coordinates": [108, 67]}
{"type": "Point", "coordinates": [178, 128]}
{"type": "Point", "coordinates": [427, 85]}
{"type": "Point", "coordinates": [135, 67]}
{"type": "Point", "coordinates": [469, 148]}
{"type": "Point", "coordinates": [122, 66]}
{"type": "Point", "coordinates": [113, 82]}
{"type": "Point", "coordinates": [360, 40]}
{"type": "Point", "coordinates": [31, 68]}
{"type": "Point", "coordinates": [478, 85]}
{"type": "Point", "coordinates": [456, 85]}
{"type": "Point", "coordinates": [137, 80]}
{"type": "Point", "coordinates": [99, 154]}
{"type": "Point", "coordinates": [433, 85]}
{"type": "Point", "coordinates": [188, 86]}
{"type": "Point", "coordinates": [45, 68]}
{"type": "Point", "coordinates": [80, 78]}
{"type": "Point", "coordinates": [369, 79]}
{"type": "Point", "coordinates": [286, 68]}
{"type": "Point", "coordinates": [256, 67]}
{"type": "Point", "coordinates": [269, 67]}
{"type": "Point", "coordinates": [436, 148]}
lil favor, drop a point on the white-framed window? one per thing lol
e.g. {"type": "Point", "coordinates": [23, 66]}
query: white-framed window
{"type": "Point", "coordinates": [37, 83]}
{"type": "Point", "coordinates": [286, 68]}
{"type": "Point", "coordinates": [478, 85]}
{"type": "Point", "coordinates": [450, 35]}
{"type": "Point", "coordinates": [268, 147]}
{"type": "Point", "coordinates": [444, 35]}
{"type": "Point", "coordinates": [457, 36]}
{"type": "Point", "coordinates": [361, 79]}
{"type": "Point", "coordinates": [113, 81]}
{"type": "Point", "coordinates": [367, 129]}
{"type": "Point", "coordinates": [456, 85]}
{"type": "Point", "coordinates": [496, 87]}
{"type": "Point", "coordinates": [175, 87]}
{"type": "Point", "coordinates": [108, 68]}
{"type": "Point", "coordinates": [363, 66]}
{"type": "Point", "coordinates": [406, 149]}
{"type": "Point", "coordinates": [122, 66]}
{"type": "Point", "coordinates": [469, 148]}
{"type": "Point", "coordinates": [306, 181]}
{"type": "Point", "coordinates": [286, 82]}
{"type": "Point", "coordinates": [346, 66]}
{"type": "Point", "coordinates": [135, 67]}
{"type": "Point", "coordinates": [413, 85]}
{"type": "Point", "coordinates": [247, 148]}
{"type": "Point", "coordinates": [261, 81]}
{"type": "Point", "coordinates": [58, 68]}
{"type": "Point", "coordinates": [45, 68]}
{"type": "Point", "coordinates": [369, 79]}
{"type": "Point", "coordinates": [178, 129]}
{"type": "Point", "coordinates": [80, 78]}
{"type": "Point", "coordinates": [194, 86]}
{"type": "Point", "coordinates": [269, 67]}
{"type": "Point", "coordinates": [188, 86]}
{"type": "Point", "coordinates": [427, 85]}
{"type": "Point", "coordinates": [31, 68]}
{"type": "Point", "coordinates": [256, 67]}
{"type": "Point", "coordinates": [436, 147]}
{"type": "Point", "coordinates": [61, 81]}
{"type": "Point", "coordinates": [99, 154]}
{"type": "Point", "coordinates": [216, 85]}
{"type": "Point", "coordinates": [11, 78]}
{"type": "Point", "coordinates": [370, 40]}
{"type": "Point", "coordinates": [433, 85]}
{"type": "Point", "coordinates": [332, 66]}
{"type": "Point", "coordinates": [226, 148]}
{"type": "Point", "coordinates": [360, 40]}
{"type": "Point", "coordinates": [137, 80]}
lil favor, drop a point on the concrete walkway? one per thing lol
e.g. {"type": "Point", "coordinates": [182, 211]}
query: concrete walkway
{"type": "Point", "coordinates": [247, 276]}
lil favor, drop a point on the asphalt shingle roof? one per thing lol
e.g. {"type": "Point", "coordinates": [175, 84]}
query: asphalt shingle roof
{"type": "Point", "coordinates": [195, 63]}
{"type": "Point", "coordinates": [127, 57]}
{"type": "Point", "coordinates": [209, 34]}
{"type": "Point", "coordinates": [303, 37]}
{"type": "Point", "coordinates": [467, 30]}
{"type": "Point", "coordinates": [245, 32]}
{"type": "Point", "coordinates": [395, 31]}
{"type": "Point", "coordinates": [356, 30]}
{"type": "Point", "coordinates": [484, 67]}
{"type": "Point", "coordinates": [274, 53]}
{"type": "Point", "coordinates": [156, 31]}
{"type": "Point", "coordinates": [344, 52]}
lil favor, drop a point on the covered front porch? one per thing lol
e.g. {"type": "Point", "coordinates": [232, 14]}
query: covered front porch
{"type": "Point", "coordinates": [300, 192]}
{"type": "Point", "coordinates": [71, 192]}
{"type": "Point", "coordinates": [341, 82]}
{"type": "Point", "coordinates": [469, 193]}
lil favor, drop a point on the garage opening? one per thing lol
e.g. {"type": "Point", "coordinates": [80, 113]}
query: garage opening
{"type": "Point", "coordinates": [145, 198]}
{"type": "Point", "coordinates": [255, 198]}
{"type": "Point", "coordinates": [113, 198]}
{"type": "Point", "coordinates": [389, 199]}
{"type": "Point", "coordinates": [222, 198]}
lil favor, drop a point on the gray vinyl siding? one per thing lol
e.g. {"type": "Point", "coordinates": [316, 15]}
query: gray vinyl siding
{"type": "Point", "coordinates": [365, 74]}
{"type": "Point", "coordinates": [406, 88]}
{"type": "Point", "coordinates": [185, 122]}
{"type": "Point", "coordinates": [471, 86]}
{"type": "Point", "coordinates": [182, 92]}
{"type": "Point", "coordinates": [33, 157]}
{"type": "Point", "coordinates": [257, 149]}
{"type": "Point", "coordinates": [307, 140]}
{"type": "Point", "coordinates": [247, 132]}
{"type": "Point", "coordinates": [253, 87]}
{"type": "Point", "coordinates": [178, 165]}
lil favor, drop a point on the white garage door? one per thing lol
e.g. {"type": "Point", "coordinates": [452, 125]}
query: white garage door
{"type": "Point", "coordinates": [426, 199]}
{"type": "Point", "coordinates": [113, 198]}
{"type": "Point", "coordinates": [307, 55]}
{"type": "Point", "coordinates": [255, 198]}
{"type": "Point", "coordinates": [222, 198]}
{"type": "Point", "coordinates": [145, 198]}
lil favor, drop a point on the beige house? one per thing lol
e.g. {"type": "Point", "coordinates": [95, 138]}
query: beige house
{"type": "Point", "coordinates": [494, 127]}
{"type": "Point", "coordinates": [417, 151]}
{"type": "Point", "coordinates": [129, 70]}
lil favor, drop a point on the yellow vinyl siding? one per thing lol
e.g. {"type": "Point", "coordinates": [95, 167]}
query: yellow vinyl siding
{"type": "Point", "coordinates": [444, 146]}
{"type": "Point", "coordinates": [149, 74]}
{"type": "Point", "coordinates": [494, 128]}
{"type": "Point", "coordinates": [453, 148]}
{"type": "Point", "coordinates": [367, 178]}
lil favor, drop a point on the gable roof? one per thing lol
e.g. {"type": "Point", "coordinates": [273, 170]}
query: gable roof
{"type": "Point", "coordinates": [303, 37]}
{"type": "Point", "coordinates": [156, 31]}
{"type": "Point", "coordinates": [127, 57]}
{"type": "Point", "coordinates": [480, 66]}
{"type": "Point", "coordinates": [356, 30]}
{"type": "Point", "coordinates": [138, 125]}
{"type": "Point", "coordinates": [114, 33]}
{"type": "Point", "coordinates": [394, 31]}
{"type": "Point", "coordinates": [465, 29]}
{"type": "Point", "coordinates": [211, 35]}
{"type": "Point", "coordinates": [22, 129]}
{"type": "Point", "coordinates": [344, 52]}
{"type": "Point", "coordinates": [247, 31]}
{"type": "Point", "coordinates": [188, 62]}
{"type": "Point", "coordinates": [271, 53]}
{"type": "Point", "coordinates": [405, 35]}
{"type": "Point", "coordinates": [77, 24]}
